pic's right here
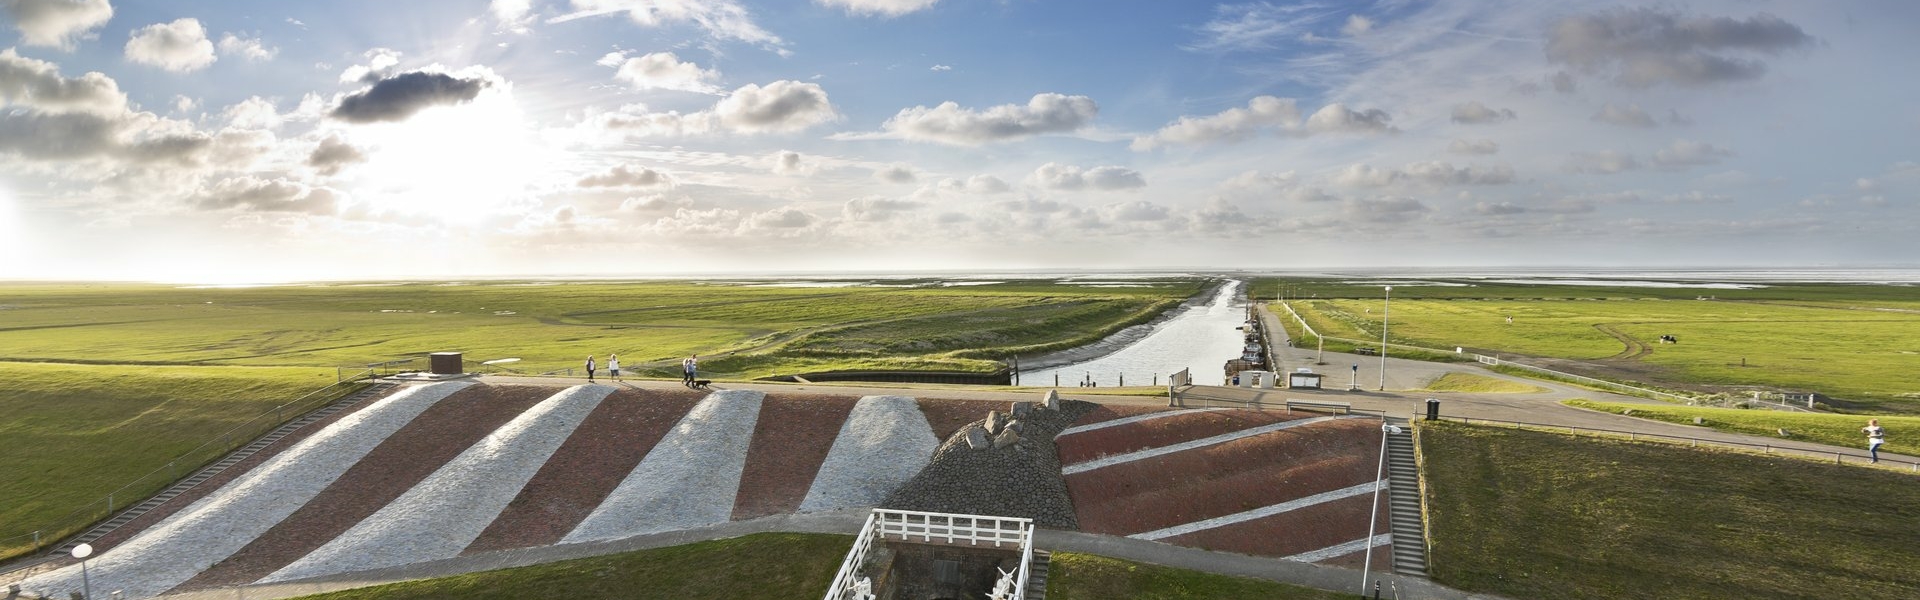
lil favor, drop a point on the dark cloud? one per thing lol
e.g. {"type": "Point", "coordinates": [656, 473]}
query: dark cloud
{"type": "Point", "coordinates": [1643, 47]}
{"type": "Point", "coordinates": [1630, 115]}
{"type": "Point", "coordinates": [334, 154]}
{"type": "Point", "coordinates": [398, 97]}
{"type": "Point", "coordinates": [269, 195]}
{"type": "Point", "coordinates": [1474, 113]}
{"type": "Point", "coordinates": [621, 176]}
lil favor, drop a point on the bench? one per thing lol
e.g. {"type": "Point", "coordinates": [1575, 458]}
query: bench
{"type": "Point", "coordinates": [1342, 407]}
{"type": "Point", "coordinates": [1366, 351]}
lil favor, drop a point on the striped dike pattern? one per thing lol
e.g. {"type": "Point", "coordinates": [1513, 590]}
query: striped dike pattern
{"type": "Point", "coordinates": [1399, 517]}
{"type": "Point", "coordinates": [689, 476]}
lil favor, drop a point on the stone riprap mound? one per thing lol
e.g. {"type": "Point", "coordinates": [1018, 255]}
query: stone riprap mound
{"type": "Point", "coordinates": [982, 470]}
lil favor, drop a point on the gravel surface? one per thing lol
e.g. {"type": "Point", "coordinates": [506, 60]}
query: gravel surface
{"type": "Point", "coordinates": [402, 460]}
{"type": "Point", "coordinates": [689, 480]}
{"type": "Point", "coordinates": [882, 445]}
{"type": "Point", "coordinates": [1020, 480]}
{"type": "Point", "coordinates": [585, 469]}
{"type": "Point", "coordinates": [222, 523]}
{"type": "Point", "coordinates": [441, 515]}
{"type": "Point", "coordinates": [792, 438]}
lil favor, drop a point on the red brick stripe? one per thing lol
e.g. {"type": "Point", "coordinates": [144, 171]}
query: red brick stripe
{"type": "Point", "coordinates": [1301, 530]}
{"type": "Point", "coordinates": [790, 440]}
{"type": "Point", "coordinates": [1163, 431]}
{"type": "Point", "coordinates": [593, 461]}
{"type": "Point", "coordinates": [948, 416]}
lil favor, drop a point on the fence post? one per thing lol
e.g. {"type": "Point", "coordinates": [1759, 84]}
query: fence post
{"type": "Point", "coordinates": [109, 503]}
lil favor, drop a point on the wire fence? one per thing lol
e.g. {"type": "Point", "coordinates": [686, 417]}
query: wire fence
{"type": "Point", "coordinates": [185, 464]}
{"type": "Point", "coordinates": [1839, 457]}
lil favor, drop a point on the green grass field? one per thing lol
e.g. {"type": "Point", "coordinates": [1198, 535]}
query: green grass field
{"type": "Point", "coordinates": [76, 432]}
{"type": "Point", "coordinates": [1903, 433]}
{"type": "Point", "coordinates": [794, 565]}
{"type": "Point", "coordinates": [757, 331]}
{"type": "Point", "coordinates": [1480, 384]}
{"type": "Point", "coordinates": [1530, 514]}
{"type": "Point", "coordinates": [1857, 344]}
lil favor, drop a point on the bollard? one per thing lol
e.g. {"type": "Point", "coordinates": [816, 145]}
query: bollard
{"type": "Point", "coordinates": [1123, 380]}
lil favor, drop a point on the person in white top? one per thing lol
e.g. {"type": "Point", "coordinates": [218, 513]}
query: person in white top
{"type": "Point", "coordinates": [589, 368]}
{"type": "Point", "coordinates": [687, 369]}
{"type": "Point", "coordinates": [613, 366]}
{"type": "Point", "coordinates": [1875, 437]}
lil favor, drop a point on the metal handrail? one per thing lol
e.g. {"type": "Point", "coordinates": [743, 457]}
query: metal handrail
{"type": "Point", "coordinates": [851, 566]}
{"type": "Point", "coordinates": [1634, 436]}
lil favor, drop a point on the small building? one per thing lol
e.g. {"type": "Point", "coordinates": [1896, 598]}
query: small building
{"type": "Point", "coordinates": [1304, 379]}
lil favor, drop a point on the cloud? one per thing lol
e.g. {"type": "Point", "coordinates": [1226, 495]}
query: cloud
{"type": "Point", "coordinates": [513, 15]}
{"type": "Point", "coordinates": [253, 113]}
{"type": "Point", "coordinates": [1136, 211]}
{"type": "Point", "coordinates": [781, 106]}
{"type": "Point", "coordinates": [788, 162]}
{"type": "Point", "coordinates": [1563, 82]}
{"type": "Point", "coordinates": [937, 68]}
{"type": "Point", "coordinates": [977, 184]}
{"type": "Point", "coordinates": [1475, 113]}
{"type": "Point", "coordinates": [1257, 186]}
{"type": "Point", "coordinates": [1688, 153]}
{"type": "Point", "coordinates": [895, 173]}
{"type": "Point", "coordinates": [379, 60]}
{"type": "Point", "coordinates": [56, 23]}
{"type": "Point", "coordinates": [654, 203]}
{"type": "Point", "coordinates": [1473, 147]}
{"type": "Point", "coordinates": [1385, 210]}
{"type": "Point", "coordinates": [885, 8]}
{"type": "Point", "coordinates": [1336, 118]}
{"type": "Point", "coordinates": [1056, 176]}
{"type": "Point", "coordinates": [269, 195]}
{"type": "Point", "coordinates": [948, 123]}
{"type": "Point", "coordinates": [1625, 116]}
{"type": "Point", "coordinates": [622, 176]}
{"type": "Point", "coordinates": [1356, 26]}
{"type": "Point", "coordinates": [780, 218]}
{"type": "Point", "coordinates": [636, 120]}
{"type": "Point", "coordinates": [398, 97]}
{"type": "Point", "coordinates": [251, 49]}
{"type": "Point", "coordinates": [1258, 26]}
{"type": "Point", "coordinates": [181, 46]}
{"type": "Point", "coordinates": [1230, 125]}
{"type": "Point", "coordinates": [1604, 162]}
{"type": "Point", "coordinates": [1696, 197]}
{"type": "Point", "coordinates": [334, 154]}
{"type": "Point", "coordinates": [37, 84]}
{"type": "Point", "coordinates": [1644, 47]}
{"type": "Point", "coordinates": [663, 71]}
{"type": "Point", "coordinates": [721, 19]}
{"type": "Point", "coordinates": [875, 209]}
{"type": "Point", "coordinates": [1497, 208]}
{"type": "Point", "coordinates": [1431, 173]}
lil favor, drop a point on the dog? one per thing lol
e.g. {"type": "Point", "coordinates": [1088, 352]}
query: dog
{"type": "Point", "coordinates": [701, 384]}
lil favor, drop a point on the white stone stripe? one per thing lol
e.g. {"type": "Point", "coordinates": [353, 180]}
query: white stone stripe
{"type": "Point", "coordinates": [1133, 419]}
{"type": "Point", "coordinates": [883, 443]}
{"type": "Point", "coordinates": [1342, 549]}
{"type": "Point", "coordinates": [1189, 445]}
{"type": "Point", "coordinates": [1258, 513]}
{"type": "Point", "coordinates": [215, 527]}
{"type": "Point", "coordinates": [688, 480]}
{"type": "Point", "coordinates": [443, 513]}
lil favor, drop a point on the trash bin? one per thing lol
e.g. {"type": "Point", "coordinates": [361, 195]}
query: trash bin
{"type": "Point", "coordinates": [1433, 409]}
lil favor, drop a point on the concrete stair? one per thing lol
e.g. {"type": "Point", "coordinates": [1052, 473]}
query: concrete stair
{"type": "Point", "coordinates": [1403, 485]}
{"type": "Point", "coordinates": [1037, 575]}
{"type": "Point", "coordinates": [210, 471]}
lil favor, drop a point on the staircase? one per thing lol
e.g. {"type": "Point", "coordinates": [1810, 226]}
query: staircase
{"type": "Point", "coordinates": [1403, 485]}
{"type": "Point", "coordinates": [182, 486]}
{"type": "Point", "coordinates": [1037, 575]}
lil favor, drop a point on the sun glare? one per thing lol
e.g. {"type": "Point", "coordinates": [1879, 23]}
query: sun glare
{"type": "Point", "coordinates": [458, 164]}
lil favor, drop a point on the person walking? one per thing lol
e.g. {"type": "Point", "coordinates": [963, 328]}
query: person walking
{"type": "Point", "coordinates": [589, 368]}
{"type": "Point", "coordinates": [613, 366]}
{"type": "Point", "coordinates": [1875, 437]}
{"type": "Point", "coordinates": [687, 369]}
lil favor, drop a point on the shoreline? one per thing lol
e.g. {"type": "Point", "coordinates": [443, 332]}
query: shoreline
{"type": "Point", "coordinates": [1120, 339]}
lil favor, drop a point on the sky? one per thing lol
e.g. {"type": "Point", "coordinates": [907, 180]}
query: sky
{"type": "Point", "coordinates": [218, 141]}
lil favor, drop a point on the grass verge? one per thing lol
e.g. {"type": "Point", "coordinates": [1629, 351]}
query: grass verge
{"type": "Point", "coordinates": [1530, 514]}
{"type": "Point", "coordinates": [76, 432]}
{"type": "Point", "coordinates": [1088, 577]}
{"type": "Point", "coordinates": [1480, 384]}
{"type": "Point", "coordinates": [1903, 433]}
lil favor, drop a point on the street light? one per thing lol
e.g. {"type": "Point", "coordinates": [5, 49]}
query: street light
{"type": "Point", "coordinates": [86, 583]}
{"type": "Point", "coordinates": [1378, 476]}
{"type": "Point", "coordinates": [1385, 303]}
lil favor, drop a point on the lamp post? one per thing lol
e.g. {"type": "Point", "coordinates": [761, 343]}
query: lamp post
{"type": "Point", "coordinates": [86, 583]}
{"type": "Point", "coordinates": [1385, 303]}
{"type": "Point", "coordinates": [1378, 476]}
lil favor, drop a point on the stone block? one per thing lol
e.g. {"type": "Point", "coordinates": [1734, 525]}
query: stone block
{"type": "Point", "coordinates": [977, 438]}
{"type": "Point", "coordinates": [1015, 425]}
{"type": "Point", "coordinates": [1052, 400]}
{"type": "Point", "coordinates": [993, 422]}
{"type": "Point", "coordinates": [1007, 437]}
{"type": "Point", "coordinates": [1022, 409]}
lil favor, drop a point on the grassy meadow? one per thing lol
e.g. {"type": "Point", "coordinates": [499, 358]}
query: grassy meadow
{"type": "Point", "coordinates": [743, 330]}
{"type": "Point", "coordinates": [76, 432]}
{"type": "Point", "coordinates": [1903, 433]}
{"type": "Point", "coordinates": [1854, 343]}
{"type": "Point", "coordinates": [1531, 514]}
{"type": "Point", "coordinates": [1480, 384]}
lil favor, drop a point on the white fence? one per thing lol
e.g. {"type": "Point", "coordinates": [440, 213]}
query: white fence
{"type": "Point", "coordinates": [934, 528]}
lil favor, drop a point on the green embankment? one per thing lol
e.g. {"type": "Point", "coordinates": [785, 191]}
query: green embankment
{"type": "Point", "coordinates": [1858, 344]}
{"type": "Point", "coordinates": [1531, 514]}
{"type": "Point", "coordinates": [1480, 384]}
{"type": "Point", "coordinates": [1903, 433]}
{"type": "Point", "coordinates": [76, 432]}
{"type": "Point", "coordinates": [795, 565]}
